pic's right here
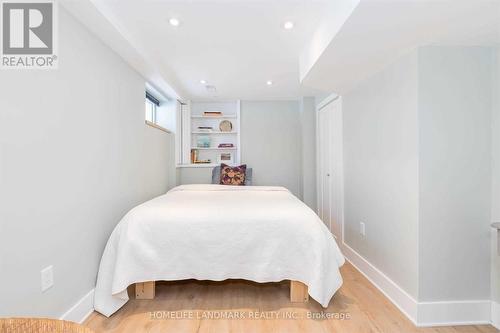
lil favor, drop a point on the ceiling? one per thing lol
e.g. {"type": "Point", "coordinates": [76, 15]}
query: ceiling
{"type": "Point", "coordinates": [379, 31]}
{"type": "Point", "coordinates": [236, 46]}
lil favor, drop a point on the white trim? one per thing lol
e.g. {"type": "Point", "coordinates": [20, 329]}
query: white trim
{"type": "Point", "coordinates": [81, 310]}
{"type": "Point", "coordinates": [326, 101]}
{"type": "Point", "coordinates": [449, 313]}
{"type": "Point", "coordinates": [186, 132]}
{"type": "Point", "coordinates": [400, 298]}
{"type": "Point", "coordinates": [238, 137]}
{"type": "Point", "coordinates": [495, 314]}
{"type": "Point", "coordinates": [178, 131]}
{"type": "Point", "coordinates": [426, 314]}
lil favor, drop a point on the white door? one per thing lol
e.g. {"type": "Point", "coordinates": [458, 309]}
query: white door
{"type": "Point", "coordinates": [330, 169]}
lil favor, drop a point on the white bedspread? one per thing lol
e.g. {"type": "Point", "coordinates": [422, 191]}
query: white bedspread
{"type": "Point", "coordinates": [217, 232]}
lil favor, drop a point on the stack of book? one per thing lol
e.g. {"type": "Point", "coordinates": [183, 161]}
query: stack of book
{"type": "Point", "coordinates": [205, 129]}
{"type": "Point", "coordinates": [226, 145]}
{"type": "Point", "coordinates": [212, 113]}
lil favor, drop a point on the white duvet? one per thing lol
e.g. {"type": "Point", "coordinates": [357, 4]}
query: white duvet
{"type": "Point", "coordinates": [217, 232]}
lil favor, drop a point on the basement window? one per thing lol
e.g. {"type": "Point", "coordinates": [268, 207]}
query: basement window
{"type": "Point", "coordinates": [151, 104]}
{"type": "Point", "coordinates": [160, 112]}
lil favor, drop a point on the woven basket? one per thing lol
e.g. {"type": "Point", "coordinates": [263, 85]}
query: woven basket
{"type": "Point", "coordinates": [40, 325]}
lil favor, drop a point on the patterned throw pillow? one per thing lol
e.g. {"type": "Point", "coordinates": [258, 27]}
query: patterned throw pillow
{"type": "Point", "coordinates": [232, 175]}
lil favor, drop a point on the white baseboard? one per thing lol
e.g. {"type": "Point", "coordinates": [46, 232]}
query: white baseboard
{"type": "Point", "coordinates": [424, 314]}
{"type": "Point", "coordinates": [400, 298]}
{"type": "Point", "coordinates": [454, 313]}
{"type": "Point", "coordinates": [495, 314]}
{"type": "Point", "coordinates": [81, 310]}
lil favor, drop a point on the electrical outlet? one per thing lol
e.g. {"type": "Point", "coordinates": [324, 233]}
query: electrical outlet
{"type": "Point", "coordinates": [47, 277]}
{"type": "Point", "coordinates": [362, 229]}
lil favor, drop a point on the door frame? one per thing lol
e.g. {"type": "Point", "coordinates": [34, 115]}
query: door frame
{"type": "Point", "coordinates": [328, 100]}
{"type": "Point", "coordinates": [323, 121]}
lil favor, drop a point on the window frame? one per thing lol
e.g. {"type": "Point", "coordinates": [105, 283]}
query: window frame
{"type": "Point", "coordinates": [154, 103]}
{"type": "Point", "coordinates": [153, 106]}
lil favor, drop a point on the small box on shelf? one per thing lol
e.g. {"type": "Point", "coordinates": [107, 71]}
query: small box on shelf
{"type": "Point", "coordinates": [226, 158]}
{"type": "Point", "coordinates": [203, 141]}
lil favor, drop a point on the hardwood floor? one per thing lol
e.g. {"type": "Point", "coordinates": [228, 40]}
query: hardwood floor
{"type": "Point", "coordinates": [358, 307]}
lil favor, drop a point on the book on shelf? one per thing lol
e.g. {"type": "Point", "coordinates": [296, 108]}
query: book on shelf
{"type": "Point", "coordinates": [205, 129]}
{"type": "Point", "coordinates": [212, 113]}
{"type": "Point", "coordinates": [195, 160]}
{"type": "Point", "coordinates": [226, 145]}
{"type": "Point", "coordinates": [194, 155]}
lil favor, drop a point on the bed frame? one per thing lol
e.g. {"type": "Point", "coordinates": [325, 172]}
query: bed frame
{"type": "Point", "coordinates": [298, 291]}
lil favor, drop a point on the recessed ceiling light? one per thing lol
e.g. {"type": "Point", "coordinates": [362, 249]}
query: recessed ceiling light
{"type": "Point", "coordinates": [288, 25]}
{"type": "Point", "coordinates": [269, 83]}
{"type": "Point", "coordinates": [174, 22]}
{"type": "Point", "coordinates": [203, 81]}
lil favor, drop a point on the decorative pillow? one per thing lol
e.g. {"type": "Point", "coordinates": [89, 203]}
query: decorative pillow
{"type": "Point", "coordinates": [232, 175]}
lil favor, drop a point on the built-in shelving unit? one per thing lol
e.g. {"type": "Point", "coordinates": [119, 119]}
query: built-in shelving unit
{"type": "Point", "coordinates": [192, 136]}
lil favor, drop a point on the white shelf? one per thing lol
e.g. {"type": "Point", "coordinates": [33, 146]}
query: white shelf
{"type": "Point", "coordinates": [214, 117]}
{"type": "Point", "coordinates": [198, 165]}
{"type": "Point", "coordinates": [214, 148]}
{"type": "Point", "coordinates": [213, 132]}
{"type": "Point", "coordinates": [193, 117]}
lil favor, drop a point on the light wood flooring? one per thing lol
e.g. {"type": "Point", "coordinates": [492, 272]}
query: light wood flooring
{"type": "Point", "coordinates": [262, 308]}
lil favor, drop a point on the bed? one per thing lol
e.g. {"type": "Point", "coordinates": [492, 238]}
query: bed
{"type": "Point", "coordinates": [219, 232]}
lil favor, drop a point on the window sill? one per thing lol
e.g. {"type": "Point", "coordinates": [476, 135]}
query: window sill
{"type": "Point", "coordinates": [149, 123]}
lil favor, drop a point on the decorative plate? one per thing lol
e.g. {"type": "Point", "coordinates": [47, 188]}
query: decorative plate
{"type": "Point", "coordinates": [225, 126]}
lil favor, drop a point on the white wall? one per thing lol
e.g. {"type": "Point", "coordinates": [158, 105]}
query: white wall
{"type": "Point", "coordinates": [270, 144]}
{"type": "Point", "coordinates": [495, 200]}
{"type": "Point", "coordinates": [418, 172]}
{"type": "Point", "coordinates": [308, 147]}
{"type": "Point", "coordinates": [455, 173]}
{"type": "Point", "coordinates": [75, 156]}
{"type": "Point", "coordinates": [194, 176]}
{"type": "Point", "coordinates": [381, 171]}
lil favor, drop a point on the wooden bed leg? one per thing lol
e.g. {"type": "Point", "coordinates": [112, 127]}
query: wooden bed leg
{"type": "Point", "coordinates": [298, 292]}
{"type": "Point", "coordinates": [145, 290]}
